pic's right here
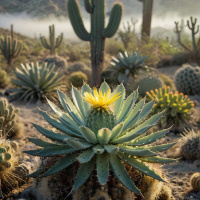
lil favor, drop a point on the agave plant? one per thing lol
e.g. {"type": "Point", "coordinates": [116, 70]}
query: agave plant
{"type": "Point", "coordinates": [101, 130]}
{"type": "Point", "coordinates": [36, 82]}
{"type": "Point", "coordinates": [127, 65]}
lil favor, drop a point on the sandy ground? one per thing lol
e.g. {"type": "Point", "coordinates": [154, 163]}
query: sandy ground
{"type": "Point", "coordinates": [177, 174]}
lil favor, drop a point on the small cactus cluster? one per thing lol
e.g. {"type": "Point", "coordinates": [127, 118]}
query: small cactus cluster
{"type": "Point", "coordinates": [77, 78]}
{"type": "Point", "coordinates": [177, 106]}
{"type": "Point", "coordinates": [187, 80]}
{"type": "Point", "coordinates": [36, 82]}
{"type": "Point", "coordinates": [4, 79]}
{"type": "Point", "coordinates": [195, 182]}
{"type": "Point", "coordinates": [190, 150]}
{"type": "Point", "coordinates": [126, 65]}
{"type": "Point", "coordinates": [53, 43]}
{"type": "Point", "coordinates": [10, 125]}
{"type": "Point", "coordinates": [148, 83]}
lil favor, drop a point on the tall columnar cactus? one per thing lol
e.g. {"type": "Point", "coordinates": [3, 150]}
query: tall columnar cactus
{"type": "Point", "coordinates": [102, 131]}
{"type": "Point", "coordinates": [10, 48]}
{"type": "Point", "coordinates": [96, 9]}
{"type": "Point", "coordinates": [53, 43]}
{"type": "Point", "coordinates": [187, 80]}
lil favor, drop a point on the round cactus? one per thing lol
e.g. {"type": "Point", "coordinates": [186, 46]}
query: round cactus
{"type": "Point", "coordinates": [77, 78]}
{"type": "Point", "coordinates": [177, 107]}
{"type": "Point", "coordinates": [190, 150]}
{"type": "Point", "coordinates": [187, 80]}
{"type": "Point", "coordinates": [195, 181]}
{"type": "Point", "coordinates": [122, 139]}
{"type": "Point", "coordinates": [147, 84]}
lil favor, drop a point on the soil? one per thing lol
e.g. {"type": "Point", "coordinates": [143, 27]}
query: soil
{"type": "Point", "coordinates": [177, 174]}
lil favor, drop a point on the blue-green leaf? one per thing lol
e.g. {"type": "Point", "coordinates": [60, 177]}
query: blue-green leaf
{"type": "Point", "coordinates": [104, 87]}
{"type": "Point", "coordinates": [88, 134]}
{"type": "Point", "coordinates": [117, 130]}
{"type": "Point", "coordinates": [111, 148]}
{"type": "Point", "coordinates": [104, 136]}
{"type": "Point", "coordinates": [98, 149]}
{"type": "Point", "coordinates": [157, 159]}
{"type": "Point", "coordinates": [41, 143]}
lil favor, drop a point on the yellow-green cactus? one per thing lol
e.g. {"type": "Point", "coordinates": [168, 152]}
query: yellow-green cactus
{"type": "Point", "coordinates": [177, 106]}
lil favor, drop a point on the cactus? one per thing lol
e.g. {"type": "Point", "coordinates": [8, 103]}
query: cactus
{"type": "Point", "coordinates": [35, 82]}
{"type": "Point", "coordinates": [4, 79]}
{"type": "Point", "coordinates": [190, 150]}
{"type": "Point", "coordinates": [177, 107]}
{"type": "Point", "coordinates": [53, 43]}
{"type": "Point", "coordinates": [195, 181]}
{"type": "Point", "coordinates": [194, 30]}
{"type": "Point", "coordinates": [146, 84]}
{"type": "Point", "coordinates": [77, 78]}
{"type": "Point", "coordinates": [126, 66]}
{"type": "Point", "coordinates": [10, 124]}
{"type": "Point", "coordinates": [99, 32]}
{"type": "Point", "coordinates": [101, 129]}
{"type": "Point", "coordinates": [10, 48]}
{"type": "Point", "coordinates": [187, 80]}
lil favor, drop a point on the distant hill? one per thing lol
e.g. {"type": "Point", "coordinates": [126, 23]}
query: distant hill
{"type": "Point", "coordinates": [57, 8]}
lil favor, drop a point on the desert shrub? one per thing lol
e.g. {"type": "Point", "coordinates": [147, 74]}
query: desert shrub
{"type": "Point", "coordinates": [77, 78]}
{"type": "Point", "coordinates": [187, 80]}
{"type": "Point", "coordinates": [36, 82]}
{"type": "Point", "coordinates": [178, 108]}
{"type": "Point", "coordinates": [4, 79]}
{"type": "Point", "coordinates": [114, 46]}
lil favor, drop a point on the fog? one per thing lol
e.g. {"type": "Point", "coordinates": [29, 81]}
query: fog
{"type": "Point", "coordinates": [164, 15]}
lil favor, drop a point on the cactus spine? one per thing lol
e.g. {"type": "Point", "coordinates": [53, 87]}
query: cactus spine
{"type": "Point", "coordinates": [10, 48]}
{"type": "Point", "coordinates": [53, 44]}
{"type": "Point", "coordinates": [99, 32]}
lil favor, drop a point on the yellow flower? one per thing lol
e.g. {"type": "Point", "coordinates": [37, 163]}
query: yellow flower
{"type": "Point", "coordinates": [99, 99]}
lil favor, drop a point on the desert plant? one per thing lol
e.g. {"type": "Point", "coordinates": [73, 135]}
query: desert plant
{"type": "Point", "coordinates": [148, 83]}
{"type": "Point", "coordinates": [178, 108]}
{"type": "Point", "coordinates": [10, 47]}
{"type": "Point", "coordinates": [96, 133]}
{"type": "Point", "coordinates": [99, 32]}
{"type": "Point", "coordinates": [53, 43]}
{"type": "Point", "coordinates": [10, 124]}
{"type": "Point", "coordinates": [195, 181]}
{"type": "Point", "coordinates": [167, 81]}
{"type": "Point", "coordinates": [127, 65]}
{"type": "Point", "coordinates": [36, 82]}
{"type": "Point", "coordinates": [77, 78]}
{"type": "Point", "coordinates": [190, 150]}
{"type": "Point", "coordinates": [187, 80]}
{"type": "Point", "coordinates": [4, 79]}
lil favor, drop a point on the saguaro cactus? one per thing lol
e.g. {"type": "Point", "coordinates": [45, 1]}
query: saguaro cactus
{"type": "Point", "coordinates": [53, 44]}
{"type": "Point", "coordinates": [96, 9]}
{"type": "Point", "coordinates": [10, 48]}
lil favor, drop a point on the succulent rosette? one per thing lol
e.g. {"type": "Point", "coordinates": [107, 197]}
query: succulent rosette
{"type": "Point", "coordinates": [102, 130]}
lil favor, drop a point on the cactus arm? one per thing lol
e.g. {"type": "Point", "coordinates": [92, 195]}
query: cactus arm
{"type": "Point", "coordinates": [44, 42]}
{"type": "Point", "coordinates": [88, 6]}
{"type": "Point", "coordinates": [114, 21]}
{"type": "Point", "coordinates": [52, 39]}
{"type": "Point", "coordinates": [59, 40]}
{"type": "Point", "coordinates": [76, 20]}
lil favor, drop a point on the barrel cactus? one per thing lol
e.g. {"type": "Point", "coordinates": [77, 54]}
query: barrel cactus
{"type": "Point", "coordinates": [10, 124]}
{"type": "Point", "coordinates": [190, 150]}
{"type": "Point", "coordinates": [187, 80]}
{"type": "Point", "coordinates": [126, 65]}
{"type": "Point", "coordinates": [177, 106]}
{"type": "Point", "coordinates": [195, 181]}
{"type": "Point", "coordinates": [77, 78]}
{"type": "Point", "coordinates": [148, 83]}
{"type": "Point", "coordinates": [36, 82]}
{"type": "Point", "coordinates": [101, 129]}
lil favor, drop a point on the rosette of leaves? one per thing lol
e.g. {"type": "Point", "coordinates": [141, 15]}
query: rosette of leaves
{"type": "Point", "coordinates": [178, 107]}
{"type": "Point", "coordinates": [36, 82]}
{"type": "Point", "coordinates": [126, 65]}
{"type": "Point", "coordinates": [101, 130]}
